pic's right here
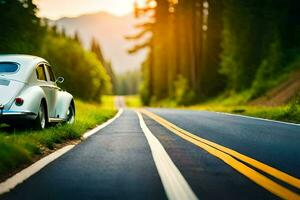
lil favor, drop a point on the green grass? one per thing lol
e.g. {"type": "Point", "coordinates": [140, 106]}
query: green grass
{"type": "Point", "coordinates": [236, 104]}
{"type": "Point", "coordinates": [19, 148]}
{"type": "Point", "coordinates": [133, 101]}
{"type": "Point", "coordinates": [280, 113]}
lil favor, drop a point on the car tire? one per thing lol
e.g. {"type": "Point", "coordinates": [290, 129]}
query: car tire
{"type": "Point", "coordinates": [41, 120]}
{"type": "Point", "coordinates": [70, 115]}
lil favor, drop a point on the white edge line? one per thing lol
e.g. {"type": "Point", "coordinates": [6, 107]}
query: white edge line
{"type": "Point", "coordinates": [175, 185]}
{"type": "Point", "coordinates": [95, 130]}
{"type": "Point", "coordinates": [20, 177]}
{"type": "Point", "coordinates": [256, 118]}
{"type": "Point", "coordinates": [23, 175]}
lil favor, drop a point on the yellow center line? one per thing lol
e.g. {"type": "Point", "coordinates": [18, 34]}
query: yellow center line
{"type": "Point", "coordinates": [229, 155]}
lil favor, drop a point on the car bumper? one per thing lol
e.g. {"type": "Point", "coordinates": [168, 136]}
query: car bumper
{"type": "Point", "coordinates": [7, 115]}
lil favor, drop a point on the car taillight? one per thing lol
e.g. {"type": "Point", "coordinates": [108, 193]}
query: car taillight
{"type": "Point", "coordinates": [19, 101]}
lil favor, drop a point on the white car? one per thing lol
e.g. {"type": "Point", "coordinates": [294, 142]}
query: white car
{"type": "Point", "coordinates": [29, 93]}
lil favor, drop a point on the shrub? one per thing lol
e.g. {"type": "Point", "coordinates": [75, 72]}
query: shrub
{"type": "Point", "coordinates": [183, 94]}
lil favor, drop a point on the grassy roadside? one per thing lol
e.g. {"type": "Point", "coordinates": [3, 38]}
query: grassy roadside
{"type": "Point", "coordinates": [280, 113]}
{"type": "Point", "coordinates": [20, 148]}
{"type": "Point", "coordinates": [287, 113]}
{"type": "Point", "coordinates": [133, 101]}
{"type": "Point", "coordinates": [237, 105]}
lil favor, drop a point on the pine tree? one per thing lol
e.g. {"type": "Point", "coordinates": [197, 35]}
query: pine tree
{"type": "Point", "coordinates": [23, 32]}
{"type": "Point", "coordinates": [76, 38]}
{"type": "Point", "coordinates": [97, 50]}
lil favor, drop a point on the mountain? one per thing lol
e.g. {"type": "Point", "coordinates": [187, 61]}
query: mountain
{"type": "Point", "coordinates": [109, 30]}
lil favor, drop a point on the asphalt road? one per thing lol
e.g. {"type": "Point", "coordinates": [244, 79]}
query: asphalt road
{"type": "Point", "coordinates": [117, 162]}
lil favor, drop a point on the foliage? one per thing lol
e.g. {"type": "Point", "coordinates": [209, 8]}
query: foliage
{"type": "Point", "coordinates": [145, 89]}
{"type": "Point", "coordinates": [268, 68]}
{"type": "Point", "coordinates": [145, 93]}
{"type": "Point", "coordinates": [19, 147]}
{"type": "Point", "coordinates": [183, 96]}
{"type": "Point", "coordinates": [256, 48]}
{"type": "Point", "coordinates": [77, 65]}
{"type": "Point", "coordinates": [294, 107]}
{"type": "Point", "coordinates": [133, 101]}
{"type": "Point", "coordinates": [20, 28]}
{"type": "Point", "coordinates": [225, 46]}
{"type": "Point", "coordinates": [128, 83]}
{"type": "Point", "coordinates": [96, 49]}
{"type": "Point", "coordinates": [22, 32]}
{"type": "Point", "coordinates": [177, 47]}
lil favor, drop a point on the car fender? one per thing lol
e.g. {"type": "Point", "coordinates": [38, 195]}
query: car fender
{"type": "Point", "coordinates": [64, 100]}
{"type": "Point", "coordinates": [32, 97]}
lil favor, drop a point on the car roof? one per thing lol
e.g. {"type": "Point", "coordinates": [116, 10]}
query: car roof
{"type": "Point", "coordinates": [27, 65]}
{"type": "Point", "coordinates": [20, 58]}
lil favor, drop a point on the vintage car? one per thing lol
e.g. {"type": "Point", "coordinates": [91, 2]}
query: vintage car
{"type": "Point", "coordinates": [29, 93]}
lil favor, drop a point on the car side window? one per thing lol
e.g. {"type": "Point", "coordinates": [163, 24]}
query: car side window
{"type": "Point", "coordinates": [51, 74]}
{"type": "Point", "coordinates": [40, 73]}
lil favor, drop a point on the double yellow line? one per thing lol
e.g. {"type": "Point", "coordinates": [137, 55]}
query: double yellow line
{"type": "Point", "coordinates": [236, 159]}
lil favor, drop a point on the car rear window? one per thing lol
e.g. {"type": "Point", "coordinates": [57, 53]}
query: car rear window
{"type": "Point", "coordinates": [8, 67]}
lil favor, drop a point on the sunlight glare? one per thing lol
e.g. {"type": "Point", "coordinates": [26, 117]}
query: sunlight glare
{"type": "Point", "coordinates": [141, 3]}
{"type": "Point", "coordinates": [153, 4]}
{"type": "Point", "coordinates": [55, 9]}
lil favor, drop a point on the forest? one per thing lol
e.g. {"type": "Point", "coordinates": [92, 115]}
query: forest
{"type": "Point", "coordinates": [198, 49]}
{"type": "Point", "coordinates": [201, 49]}
{"type": "Point", "coordinates": [86, 74]}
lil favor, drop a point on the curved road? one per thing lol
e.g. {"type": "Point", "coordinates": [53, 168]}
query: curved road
{"type": "Point", "coordinates": [165, 153]}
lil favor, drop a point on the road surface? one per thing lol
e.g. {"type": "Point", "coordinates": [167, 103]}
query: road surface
{"type": "Point", "coordinates": [196, 154]}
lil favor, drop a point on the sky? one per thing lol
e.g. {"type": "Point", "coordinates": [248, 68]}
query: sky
{"type": "Point", "coordinates": [55, 9]}
{"type": "Point", "coordinates": [114, 45]}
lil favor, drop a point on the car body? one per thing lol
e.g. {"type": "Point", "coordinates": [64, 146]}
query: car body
{"type": "Point", "coordinates": [29, 92]}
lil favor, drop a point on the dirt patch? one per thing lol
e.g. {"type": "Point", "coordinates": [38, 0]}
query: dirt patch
{"type": "Point", "coordinates": [282, 94]}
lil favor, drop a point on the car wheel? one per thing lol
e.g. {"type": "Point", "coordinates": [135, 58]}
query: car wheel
{"type": "Point", "coordinates": [41, 119]}
{"type": "Point", "coordinates": [70, 115]}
